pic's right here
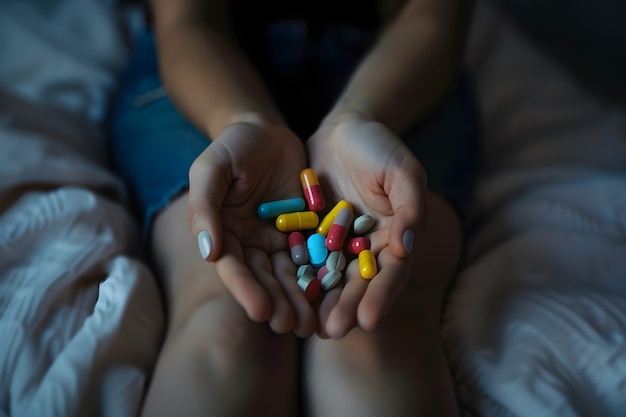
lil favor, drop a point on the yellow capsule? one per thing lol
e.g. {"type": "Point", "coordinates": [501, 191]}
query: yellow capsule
{"type": "Point", "coordinates": [367, 264]}
{"type": "Point", "coordinates": [328, 220]}
{"type": "Point", "coordinates": [301, 220]}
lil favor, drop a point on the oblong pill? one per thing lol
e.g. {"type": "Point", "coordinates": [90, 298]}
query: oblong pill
{"type": "Point", "coordinates": [316, 247]}
{"type": "Point", "coordinates": [301, 220]}
{"type": "Point", "coordinates": [271, 209]}
{"type": "Point", "coordinates": [367, 264]}
{"type": "Point", "coordinates": [363, 224]}
{"type": "Point", "coordinates": [312, 190]}
{"type": "Point", "coordinates": [328, 220]}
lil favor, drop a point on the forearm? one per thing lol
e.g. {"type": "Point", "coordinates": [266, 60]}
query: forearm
{"type": "Point", "coordinates": [207, 77]}
{"type": "Point", "coordinates": [411, 67]}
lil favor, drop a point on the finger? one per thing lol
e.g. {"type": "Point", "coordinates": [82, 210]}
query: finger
{"type": "Point", "coordinates": [329, 301]}
{"type": "Point", "coordinates": [281, 318]}
{"type": "Point", "coordinates": [209, 182]}
{"type": "Point", "coordinates": [383, 290]}
{"type": "Point", "coordinates": [343, 316]}
{"type": "Point", "coordinates": [407, 195]}
{"type": "Point", "coordinates": [285, 272]}
{"type": "Point", "coordinates": [240, 281]}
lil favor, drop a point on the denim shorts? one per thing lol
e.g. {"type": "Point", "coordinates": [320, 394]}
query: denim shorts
{"type": "Point", "coordinates": [154, 146]}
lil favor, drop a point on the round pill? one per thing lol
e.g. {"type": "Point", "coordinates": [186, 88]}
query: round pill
{"type": "Point", "coordinates": [321, 272]}
{"type": "Point", "coordinates": [336, 261]}
{"type": "Point", "coordinates": [357, 244]}
{"type": "Point", "coordinates": [311, 287]}
{"type": "Point", "coordinates": [367, 264]}
{"type": "Point", "coordinates": [330, 280]}
{"type": "Point", "coordinates": [363, 224]}
{"type": "Point", "coordinates": [305, 270]}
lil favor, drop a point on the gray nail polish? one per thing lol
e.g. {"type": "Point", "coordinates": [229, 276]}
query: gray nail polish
{"type": "Point", "coordinates": [204, 244]}
{"type": "Point", "coordinates": [407, 240]}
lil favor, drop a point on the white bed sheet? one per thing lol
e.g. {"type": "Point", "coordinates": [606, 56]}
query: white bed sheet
{"type": "Point", "coordinates": [536, 325]}
{"type": "Point", "coordinates": [80, 316]}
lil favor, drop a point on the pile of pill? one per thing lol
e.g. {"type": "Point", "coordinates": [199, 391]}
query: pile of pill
{"type": "Point", "coordinates": [320, 254]}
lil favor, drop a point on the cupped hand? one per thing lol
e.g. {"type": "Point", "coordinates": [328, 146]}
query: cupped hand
{"type": "Point", "coordinates": [364, 163]}
{"type": "Point", "coordinates": [248, 164]}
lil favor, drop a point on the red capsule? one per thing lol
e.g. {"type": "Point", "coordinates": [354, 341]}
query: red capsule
{"type": "Point", "coordinates": [297, 247]}
{"type": "Point", "coordinates": [312, 190]}
{"type": "Point", "coordinates": [357, 244]}
{"type": "Point", "coordinates": [339, 230]}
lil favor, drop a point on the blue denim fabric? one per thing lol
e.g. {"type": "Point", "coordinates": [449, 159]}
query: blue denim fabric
{"type": "Point", "coordinates": [154, 146]}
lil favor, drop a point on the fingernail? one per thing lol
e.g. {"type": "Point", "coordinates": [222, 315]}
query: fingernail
{"type": "Point", "coordinates": [204, 244]}
{"type": "Point", "coordinates": [407, 240]}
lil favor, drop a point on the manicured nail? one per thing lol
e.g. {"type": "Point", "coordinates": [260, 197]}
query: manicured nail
{"type": "Point", "coordinates": [204, 244]}
{"type": "Point", "coordinates": [407, 240]}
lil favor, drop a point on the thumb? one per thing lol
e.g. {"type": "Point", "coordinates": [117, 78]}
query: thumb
{"type": "Point", "coordinates": [407, 195]}
{"type": "Point", "coordinates": [208, 186]}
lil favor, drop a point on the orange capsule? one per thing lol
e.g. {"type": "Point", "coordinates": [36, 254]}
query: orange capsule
{"type": "Point", "coordinates": [312, 190]}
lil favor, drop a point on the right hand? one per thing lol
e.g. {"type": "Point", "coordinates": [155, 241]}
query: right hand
{"type": "Point", "coordinates": [248, 164]}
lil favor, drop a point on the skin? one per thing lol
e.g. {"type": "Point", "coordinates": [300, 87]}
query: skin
{"type": "Point", "coordinates": [220, 307]}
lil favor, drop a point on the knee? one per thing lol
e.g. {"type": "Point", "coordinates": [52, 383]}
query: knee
{"type": "Point", "coordinates": [219, 332]}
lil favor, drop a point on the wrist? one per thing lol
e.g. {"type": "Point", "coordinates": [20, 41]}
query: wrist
{"type": "Point", "coordinates": [263, 119]}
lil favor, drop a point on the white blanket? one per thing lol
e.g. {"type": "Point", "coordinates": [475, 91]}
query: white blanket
{"type": "Point", "coordinates": [80, 316]}
{"type": "Point", "coordinates": [537, 323]}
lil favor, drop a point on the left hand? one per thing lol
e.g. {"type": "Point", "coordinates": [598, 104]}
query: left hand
{"type": "Point", "coordinates": [362, 162]}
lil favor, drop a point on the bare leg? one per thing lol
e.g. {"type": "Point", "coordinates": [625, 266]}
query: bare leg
{"type": "Point", "coordinates": [400, 369]}
{"type": "Point", "coordinates": [215, 361]}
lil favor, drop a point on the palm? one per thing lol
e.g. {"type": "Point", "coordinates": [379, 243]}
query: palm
{"type": "Point", "coordinates": [250, 165]}
{"type": "Point", "coordinates": [367, 165]}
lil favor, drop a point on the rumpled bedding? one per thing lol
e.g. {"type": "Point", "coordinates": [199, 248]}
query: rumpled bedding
{"type": "Point", "coordinates": [535, 325]}
{"type": "Point", "coordinates": [80, 315]}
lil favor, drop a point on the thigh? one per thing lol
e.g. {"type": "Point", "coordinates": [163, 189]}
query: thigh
{"type": "Point", "coordinates": [400, 368]}
{"type": "Point", "coordinates": [213, 355]}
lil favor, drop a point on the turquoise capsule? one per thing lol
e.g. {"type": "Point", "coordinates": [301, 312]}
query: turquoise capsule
{"type": "Point", "coordinates": [273, 209]}
{"type": "Point", "coordinates": [316, 246]}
